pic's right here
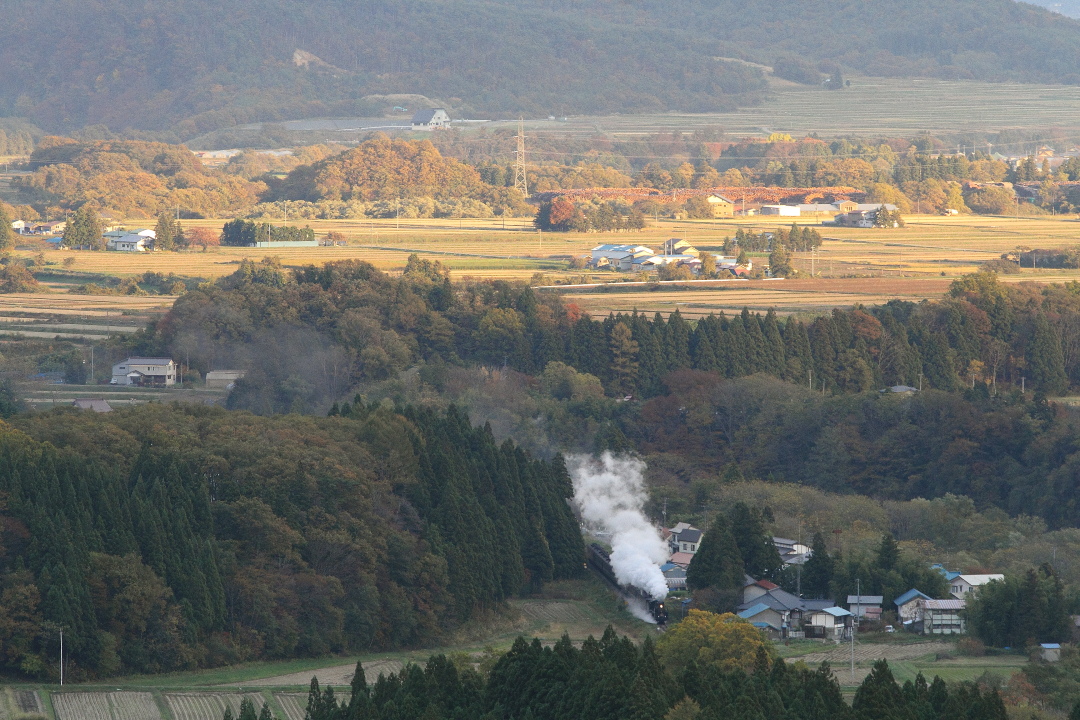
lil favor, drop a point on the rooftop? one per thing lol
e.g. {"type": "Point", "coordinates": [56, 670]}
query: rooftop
{"type": "Point", "coordinates": [910, 595]}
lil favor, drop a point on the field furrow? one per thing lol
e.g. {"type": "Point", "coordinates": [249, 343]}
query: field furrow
{"type": "Point", "coordinates": [81, 706]}
{"type": "Point", "coordinates": [134, 706]}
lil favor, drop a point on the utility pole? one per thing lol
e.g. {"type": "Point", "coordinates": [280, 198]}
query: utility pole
{"type": "Point", "coordinates": [520, 181]}
{"type": "Point", "coordinates": [855, 624]}
{"type": "Point", "coordinates": [61, 657]}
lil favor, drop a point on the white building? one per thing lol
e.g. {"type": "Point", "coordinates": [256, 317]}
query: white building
{"type": "Point", "coordinates": [781, 210]}
{"type": "Point", "coordinates": [961, 585]}
{"type": "Point", "coordinates": [430, 119]}
{"type": "Point", "coordinates": [129, 240]}
{"type": "Point", "coordinates": [153, 372]}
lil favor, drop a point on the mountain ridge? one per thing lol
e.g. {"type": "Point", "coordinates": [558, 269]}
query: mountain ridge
{"type": "Point", "coordinates": [187, 67]}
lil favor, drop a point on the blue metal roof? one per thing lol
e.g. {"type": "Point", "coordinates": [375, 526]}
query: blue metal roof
{"type": "Point", "coordinates": [756, 610]}
{"type": "Point", "coordinates": [909, 596]}
{"type": "Point", "coordinates": [1051, 646]}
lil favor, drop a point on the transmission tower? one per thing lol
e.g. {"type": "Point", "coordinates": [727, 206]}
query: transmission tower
{"type": "Point", "coordinates": [520, 182]}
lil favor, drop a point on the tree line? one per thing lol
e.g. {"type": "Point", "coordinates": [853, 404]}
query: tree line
{"type": "Point", "coordinates": [220, 537]}
{"type": "Point", "coordinates": [612, 679]}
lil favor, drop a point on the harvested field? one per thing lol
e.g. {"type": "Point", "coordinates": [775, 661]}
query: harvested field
{"type": "Point", "coordinates": [810, 295]}
{"type": "Point", "coordinates": [82, 706]}
{"type": "Point", "coordinates": [134, 706]}
{"type": "Point", "coordinates": [335, 675]}
{"type": "Point", "coordinates": [208, 706]}
{"type": "Point", "coordinates": [106, 706]}
{"type": "Point", "coordinates": [294, 705]}
{"type": "Point", "coordinates": [28, 702]}
{"type": "Point", "coordinates": [869, 653]}
{"type": "Point", "coordinates": [552, 612]}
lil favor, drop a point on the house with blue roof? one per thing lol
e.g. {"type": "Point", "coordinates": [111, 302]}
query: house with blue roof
{"type": "Point", "coordinates": [831, 623]}
{"type": "Point", "coordinates": [764, 618]}
{"type": "Point", "coordinates": [949, 575]}
{"type": "Point", "coordinates": [907, 605]}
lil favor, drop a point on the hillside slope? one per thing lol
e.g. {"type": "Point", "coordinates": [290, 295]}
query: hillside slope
{"type": "Point", "coordinates": [195, 65]}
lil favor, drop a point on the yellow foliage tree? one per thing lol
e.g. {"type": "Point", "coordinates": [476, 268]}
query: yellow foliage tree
{"type": "Point", "coordinates": [725, 641]}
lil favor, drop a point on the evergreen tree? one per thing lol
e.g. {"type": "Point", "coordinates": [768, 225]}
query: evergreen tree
{"type": "Point", "coordinates": [624, 364]}
{"type": "Point", "coordinates": [818, 571]}
{"type": "Point", "coordinates": [84, 230]}
{"type": "Point", "coordinates": [879, 697]}
{"type": "Point", "coordinates": [888, 554]}
{"type": "Point", "coordinates": [760, 556]}
{"type": "Point", "coordinates": [165, 232]}
{"type": "Point", "coordinates": [247, 710]}
{"type": "Point", "coordinates": [1045, 359]}
{"type": "Point", "coordinates": [677, 342]}
{"type": "Point", "coordinates": [717, 563]}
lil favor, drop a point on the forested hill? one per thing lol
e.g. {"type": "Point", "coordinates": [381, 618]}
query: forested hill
{"type": "Point", "coordinates": [163, 538]}
{"type": "Point", "coordinates": [195, 65]}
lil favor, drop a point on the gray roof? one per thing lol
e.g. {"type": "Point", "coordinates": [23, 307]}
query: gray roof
{"type": "Point", "coordinates": [690, 535]}
{"type": "Point", "coordinates": [865, 599]}
{"type": "Point", "coordinates": [813, 605]}
{"type": "Point", "coordinates": [425, 116]}
{"type": "Point", "coordinates": [777, 600]}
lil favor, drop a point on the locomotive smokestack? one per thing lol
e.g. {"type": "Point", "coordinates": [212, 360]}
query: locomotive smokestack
{"type": "Point", "coordinates": [610, 494]}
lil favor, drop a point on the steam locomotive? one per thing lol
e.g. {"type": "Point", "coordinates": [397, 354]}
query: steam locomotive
{"type": "Point", "coordinates": [601, 562]}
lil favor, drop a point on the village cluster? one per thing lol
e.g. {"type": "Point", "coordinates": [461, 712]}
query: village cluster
{"type": "Point", "coordinates": [783, 615]}
{"type": "Point", "coordinates": [116, 238]}
{"type": "Point", "coordinates": [638, 258]}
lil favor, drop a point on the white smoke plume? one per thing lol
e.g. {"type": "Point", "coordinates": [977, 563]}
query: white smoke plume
{"type": "Point", "coordinates": [610, 494]}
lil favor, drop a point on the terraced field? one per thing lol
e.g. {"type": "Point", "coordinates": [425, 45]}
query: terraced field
{"type": "Point", "coordinates": [106, 706]}
{"type": "Point", "coordinates": [208, 706]}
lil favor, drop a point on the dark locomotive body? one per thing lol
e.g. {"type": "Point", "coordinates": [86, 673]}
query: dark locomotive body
{"type": "Point", "coordinates": [601, 562]}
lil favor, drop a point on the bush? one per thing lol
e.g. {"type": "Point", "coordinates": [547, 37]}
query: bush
{"type": "Point", "coordinates": [971, 647]}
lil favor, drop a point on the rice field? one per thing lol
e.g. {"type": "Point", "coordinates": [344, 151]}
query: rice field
{"type": "Point", "coordinates": [106, 706]}
{"type": "Point", "coordinates": [208, 706]}
{"type": "Point", "coordinates": [882, 261]}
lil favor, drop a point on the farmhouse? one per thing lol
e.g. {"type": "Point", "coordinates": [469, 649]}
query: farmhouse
{"type": "Point", "coordinates": [618, 257]}
{"type": "Point", "coordinates": [21, 227]}
{"type": "Point", "coordinates": [721, 206]}
{"type": "Point", "coordinates": [791, 552]}
{"type": "Point", "coordinates": [961, 585]}
{"type": "Point", "coordinates": [831, 623]}
{"type": "Point", "coordinates": [132, 243]}
{"type": "Point", "coordinates": [940, 617]}
{"type": "Point", "coordinates": [430, 119]}
{"type": "Point", "coordinates": [145, 372]}
{"type": "Point", "coordinates": [907, 605]}
{"type": "Point", "coordinates": [50, 227]}
{"type": "Point", "coordinates": [764, 618]}
{"type": "Point", "coordinates": [865, 606]}
{"type": "Point", "coordinates": [686, 540]}
{"type": "Point", "coordinates": [676, 246]}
